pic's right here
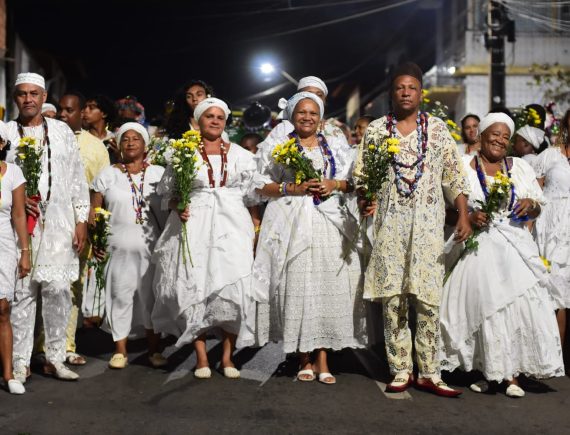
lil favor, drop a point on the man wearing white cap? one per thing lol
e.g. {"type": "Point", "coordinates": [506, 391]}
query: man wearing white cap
{"type": "Point", "coordinates": [58, 235]}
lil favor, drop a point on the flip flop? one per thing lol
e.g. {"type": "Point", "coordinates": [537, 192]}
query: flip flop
{"type": "Point", "coordinates": [323, 379]}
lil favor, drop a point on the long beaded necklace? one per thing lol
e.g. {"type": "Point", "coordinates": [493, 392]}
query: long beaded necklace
{"type": "Point", "coordinates": [482, 176]}
{"type": "Point", "coordinates": [137, 193]}
{"type": "Point", "coordinates": [405, 186]}
{"type": "Point", "coordinates": [42, 204]}
{"type": "Point", "coordinates": [224, 168]}
{"type": "Point", "coordinates": [325, 150]}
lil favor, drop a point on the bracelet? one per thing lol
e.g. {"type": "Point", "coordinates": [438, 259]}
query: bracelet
{"type": "Point", "coordinates": [285, 189]}
{"type": "Point", "coordinates": [534, 205]}
{"type": "Point", "coordinates": [281, 189]}
{"type": "Point", "coordinates": [24, 249]}
{"type": "Point", "coordinates": [257, 229]}
{"type": "Point", "coordinates": [337, 185]}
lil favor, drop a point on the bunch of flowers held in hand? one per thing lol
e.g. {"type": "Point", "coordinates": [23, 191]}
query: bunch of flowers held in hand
{"type": "Point", "coordinates": [377, 160]}
{"type": "Point", "coordinates": [184, 162]}
{"type": "Point", "coordinates": [29, 159]}
{"type": "Point", "coordinates": [498, 196]}
{"type": "Point", "coordinates": [98, 237]}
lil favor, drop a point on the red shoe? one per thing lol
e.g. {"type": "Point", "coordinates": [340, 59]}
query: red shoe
{"type": "Point", "coordinates": [439, 388]}
{"type": "Point", "coordinates": [391, 388]}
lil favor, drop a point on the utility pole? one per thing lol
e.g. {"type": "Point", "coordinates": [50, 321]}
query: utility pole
{"type": "Point", "coordinates": [499, 25]}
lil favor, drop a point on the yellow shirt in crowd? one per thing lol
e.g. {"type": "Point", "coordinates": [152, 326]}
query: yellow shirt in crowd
{"type": "Point", "coordinates": [93, 152]}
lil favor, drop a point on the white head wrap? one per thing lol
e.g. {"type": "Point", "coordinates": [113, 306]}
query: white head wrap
{"type": "Point", "coordinates": [294, 100]}
{"type": "Point", "coordinates": [533, 135]}
{"type": "Point", "coordinates": [493, 118]}
{"type": "Point", "coordinates": [314, 82]}
{"type": "Point", "coordinates": [139, 128]}
{"type": "Point", "coordinates": [47, 107]}
{"type": "Point", "coordinates": [30, 78]}
{"type": "Point", "coordinates": [208, 103]}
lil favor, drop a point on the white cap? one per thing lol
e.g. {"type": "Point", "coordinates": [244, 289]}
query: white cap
{"type": "Point", "coordinates": [30, 78]}
{"type": "Point", "coordinates": [207, 104]}
{"type": "Point", "coordinates": [313, 81]}
{"type": "Point", "coordinates": [140, 129]}
{"type": "Point", "coordinates": [47, 107]}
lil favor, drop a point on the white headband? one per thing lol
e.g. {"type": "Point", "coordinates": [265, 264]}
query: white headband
{"type": "Point", "coordinates": [47, 107]}
{"type": "Point", "coordinates": [533, 135]}
{"type": "Point", "coordinates": [208, 103]}
{"type": "Point", "coordinates": [30, 78]}
{"type": "Point", "coordinates": [294, 100]}
{"type": "Point", "coordinates": [314, 82]}
{"type": "Point", "coordinates": [136, 127]}
{"type": "Point", "coordinates": [495, 117]}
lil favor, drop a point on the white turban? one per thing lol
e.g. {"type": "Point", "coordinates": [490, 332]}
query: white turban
{"type": "Point", "coordinates": [533, 135]}
{"type": "Point", "coordinates": [139, 128]}
{"type": "Point", "coordinates": [48, 107]}
{"type": "Point", "coordinates": [30, 78]}
{"type": "Point", "coordinates": [294, 100]}
{"type": "Point", "coordinates": [314, 82]}
{"type": "Point", "coordinates": [208, 103]}
{"type": "Point", "coordinates": [493, 118]}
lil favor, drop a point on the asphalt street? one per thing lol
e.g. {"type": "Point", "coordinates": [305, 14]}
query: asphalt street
{"type": "Point", "coordinates": [267, 400]}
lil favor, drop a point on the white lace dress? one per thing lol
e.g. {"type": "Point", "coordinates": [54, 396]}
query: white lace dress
{"type": "Point", "coordinates": [215, 292]}
{"type": "Point", "coordinates": [306, 263]}
{"type": "Point", "coordinates": [128, 291]}
{"type": "Point", "coordinates": [552, 229]}
{"type": "Point", "coordinates": [496, 313]}
{"type": "Point", "coordinates": [11, 179]}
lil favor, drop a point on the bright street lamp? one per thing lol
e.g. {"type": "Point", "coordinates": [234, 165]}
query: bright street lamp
{"type": "Point", "coordinates": [267, 69]}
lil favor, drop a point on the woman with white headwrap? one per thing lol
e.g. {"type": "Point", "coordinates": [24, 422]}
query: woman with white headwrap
{"type": "Point", "coordinates": [496, 312]}
{"type": "Point", "coordinates": [527, 143]}
{"type": "Point", "coordinates": [128, 191]}
{"type": "Point", "coordinates": [306, 258]}
{"type": "Point", "coordinates": [213, 293]}
{"type": "Point", "coordinates": [552, 228]}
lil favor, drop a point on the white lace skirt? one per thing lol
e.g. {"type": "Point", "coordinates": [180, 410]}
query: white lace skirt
{"type": "Point", "coordinates": [520, 339]}
{"type": "Point", "coordinates": [319, 303]}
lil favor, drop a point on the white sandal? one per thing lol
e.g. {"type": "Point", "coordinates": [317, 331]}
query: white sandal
{"type": "Point", "coordinates": [479, 386]}
{"type": "Point", "coordinates": [203, 373]}
{"type": "Point", "coordinates": [324, 376]}
{"type": "Point", "coordinates": [307, 372]}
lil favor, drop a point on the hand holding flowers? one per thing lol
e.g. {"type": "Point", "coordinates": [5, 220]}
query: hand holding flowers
{"type": "Point", "coordinates": [99, 242]}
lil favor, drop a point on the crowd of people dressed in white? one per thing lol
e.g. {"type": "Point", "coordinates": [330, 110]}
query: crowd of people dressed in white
{"type": "Point", "coordinates": [274, 259]}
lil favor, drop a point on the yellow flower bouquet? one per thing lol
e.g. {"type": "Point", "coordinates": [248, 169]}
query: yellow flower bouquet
{"type": "Point", "coordinates": [184, 161]}
{"type": "Point", "coordinates": [377, 160]}
{"type": "Point", "coordinates": [98, 236]}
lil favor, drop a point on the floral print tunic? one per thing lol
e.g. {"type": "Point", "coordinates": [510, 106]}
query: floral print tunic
{"type": "Point", "coordinates": [407, 257]}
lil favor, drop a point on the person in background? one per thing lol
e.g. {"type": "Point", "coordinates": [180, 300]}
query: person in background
{"type": "Point", "coordinates": [181, 119]}
{"type": "Point", "coordinates": [95, 158]}
{"type": "Point", "coordinates": [527, 143]}
{"type": "Point", "coordinates": [360, 127]}
{"type": "Point", "coordinates": [98, 115]}
{"type": "Point", "coordinates": [470, 135]}
{"type": "Point", "coordinates": [49, 110]}
{"type": "Point", "coordinates": [130, 108]}
{"type": "Point", "coordinates": [249, 141]}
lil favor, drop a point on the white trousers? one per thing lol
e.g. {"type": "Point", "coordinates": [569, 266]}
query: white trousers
{"type": "Point", "coordinates": [56, 308]}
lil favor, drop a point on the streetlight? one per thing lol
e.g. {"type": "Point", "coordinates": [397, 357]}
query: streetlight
{"type": "Point", "coordinates": [267, 69]}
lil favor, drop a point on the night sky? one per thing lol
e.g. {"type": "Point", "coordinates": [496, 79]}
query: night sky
{"type": "Point", "coordinates": [151, 48]}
